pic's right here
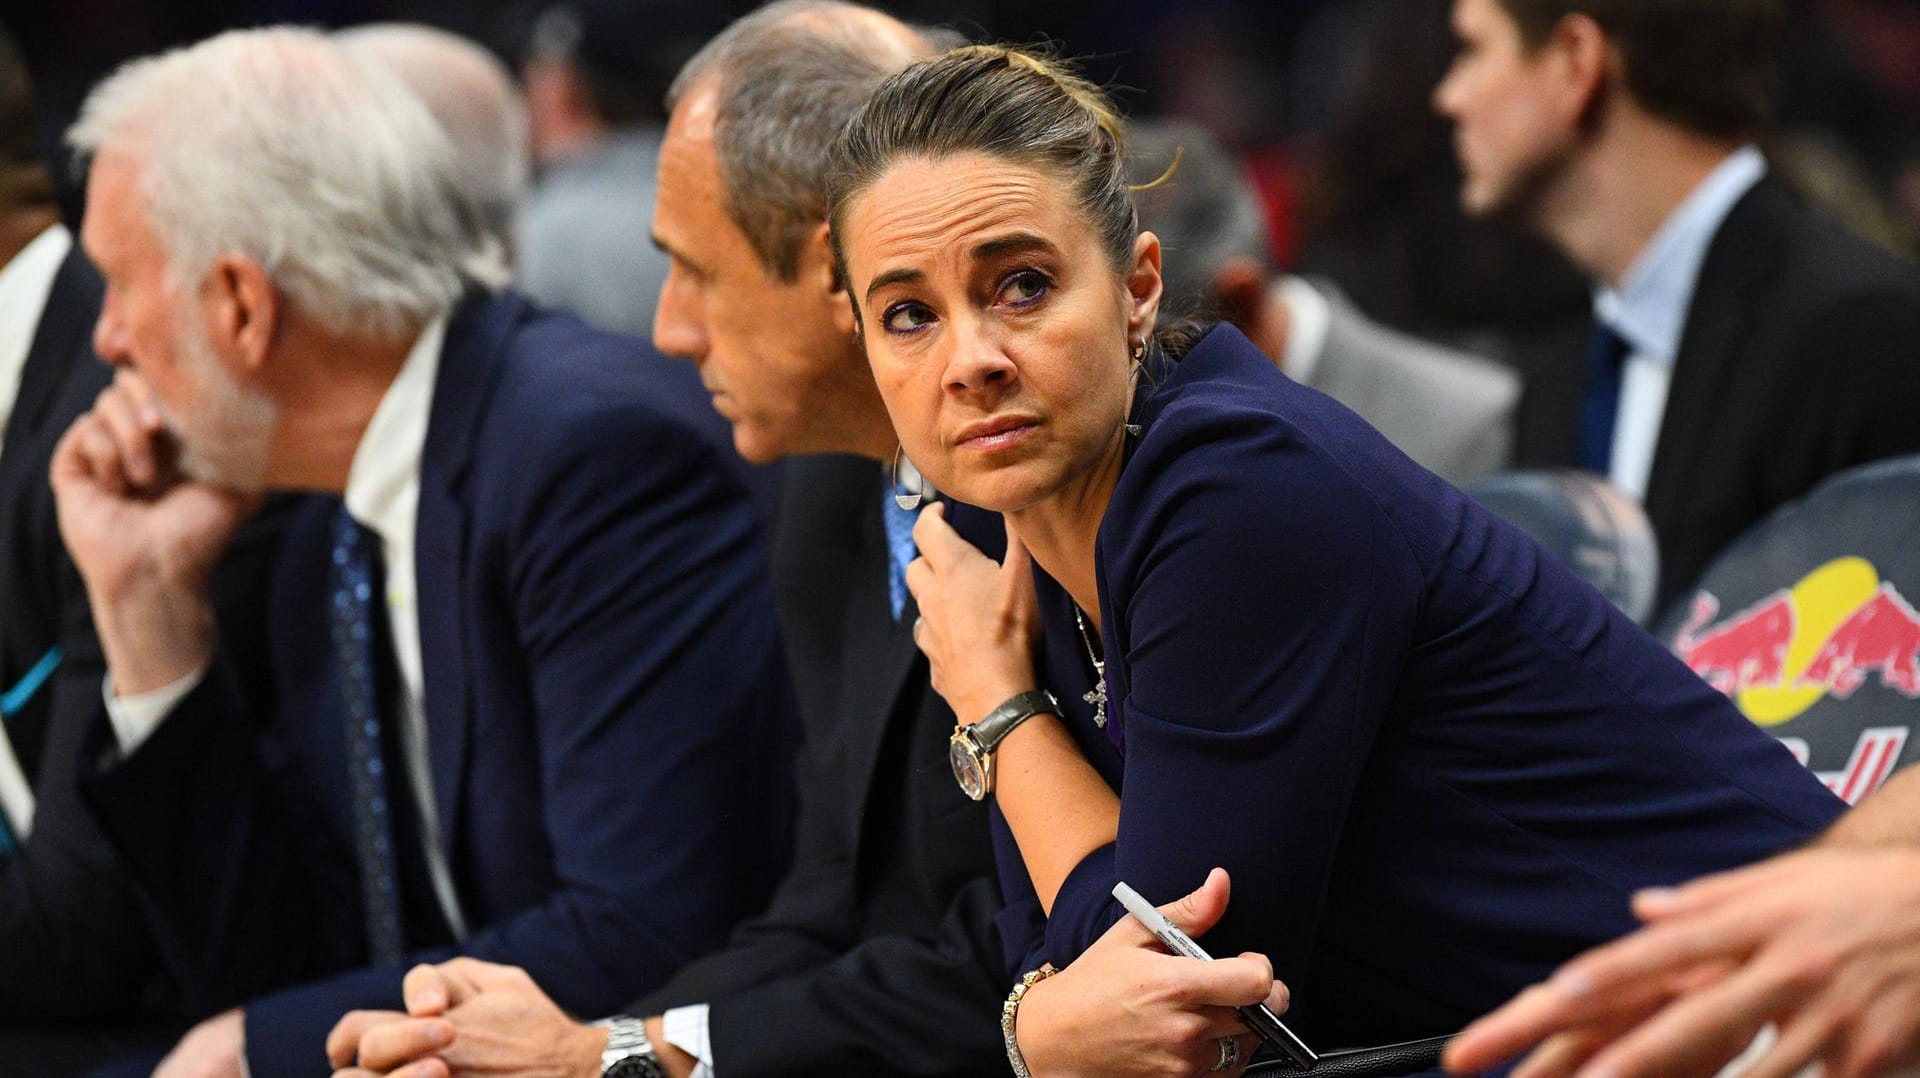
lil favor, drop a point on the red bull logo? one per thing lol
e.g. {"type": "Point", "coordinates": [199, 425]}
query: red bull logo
{"type": "Point", "coordinates": [1828, 635]}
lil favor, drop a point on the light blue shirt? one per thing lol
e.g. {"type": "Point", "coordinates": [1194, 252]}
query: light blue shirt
{"type": "Point", "coordinates": [1649, 311]}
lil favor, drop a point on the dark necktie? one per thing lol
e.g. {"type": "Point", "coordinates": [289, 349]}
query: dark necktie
{"type": "Point", "coordinates": [1600, 408]}
{"type": "Point", "coordinates": [355, 578]}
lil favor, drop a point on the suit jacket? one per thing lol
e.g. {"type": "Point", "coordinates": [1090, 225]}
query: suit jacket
{"type": "Point", "coordinates": [608, 724]}
{"type": "Point", "coordinates": [1451, 412]}
{"type": "Point", "coordinates": [1800, 358]}
{"type": "Point", "coordinates": [1435, 761]}
{"type": "Point", "coordinates": [67, 912]}
{"type": "Point", "coordinates": [878, 954]}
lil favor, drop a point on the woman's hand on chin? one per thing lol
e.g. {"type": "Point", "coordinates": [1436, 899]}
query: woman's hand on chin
{"type": "Point", "coordinates": [978, 619]}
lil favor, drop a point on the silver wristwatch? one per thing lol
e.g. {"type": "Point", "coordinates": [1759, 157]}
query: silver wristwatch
{"type": "Point", "coordinates": [629, 1054]}
{"type": "Point", "coordinates": [970, 749]}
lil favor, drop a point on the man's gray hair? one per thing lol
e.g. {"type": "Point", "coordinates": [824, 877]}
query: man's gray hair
{"type": "Point", "coordinates": [480, 107]}
{"type": "Point", "coordinates": [1206, 214]}
{"type": "Point", "coordinates": [787, 78]}
{"type": "Point", "coordinates": [279, 145]}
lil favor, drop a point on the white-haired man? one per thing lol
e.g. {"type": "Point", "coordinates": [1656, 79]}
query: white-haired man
{"type": "Point", "coordinates": [523, 698]}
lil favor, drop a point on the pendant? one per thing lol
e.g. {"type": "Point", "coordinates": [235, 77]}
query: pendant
{"type": "Point", "coordinates": [1097, 696]}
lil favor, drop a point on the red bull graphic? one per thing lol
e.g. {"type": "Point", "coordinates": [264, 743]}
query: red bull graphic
{"type": "Point", "coordinates": [1830, 634]}
{"type": "Point", "coordinates": [1747, 650]}
{"type": "Point", "coordinates": [1872, 760]}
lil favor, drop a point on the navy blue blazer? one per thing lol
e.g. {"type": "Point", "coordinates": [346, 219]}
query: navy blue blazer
{"type": "Point", "coordinates": [608, 720]}
{"type": "Point", "coordinates": [1435, 762]}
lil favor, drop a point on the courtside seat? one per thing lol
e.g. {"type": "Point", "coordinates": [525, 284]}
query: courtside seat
{"type": "Point", "coordinates": [1808, 623]}
{"type": "Point", "coordinates": [1592, 526]}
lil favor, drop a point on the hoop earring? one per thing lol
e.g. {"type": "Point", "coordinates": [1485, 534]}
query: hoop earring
{"type": "Point", "coordinates": [909, 501]}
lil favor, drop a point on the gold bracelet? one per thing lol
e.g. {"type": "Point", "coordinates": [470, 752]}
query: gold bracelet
{"type": "Point", "coordinates": [1011, 1009]}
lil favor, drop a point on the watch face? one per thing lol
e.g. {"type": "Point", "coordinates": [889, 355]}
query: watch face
{"type": "Point", "coordinates": [635, 1067]}
{"type": "Point", "coordinates": [966, 768]}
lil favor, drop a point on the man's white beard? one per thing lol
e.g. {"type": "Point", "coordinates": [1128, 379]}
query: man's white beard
{"type": "Point", "coordinates": [225, 442]}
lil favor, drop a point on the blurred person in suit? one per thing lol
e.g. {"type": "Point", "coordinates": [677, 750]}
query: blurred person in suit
{"type": "Point", "coordinates": [523, 696]}
{"type": "Point", "coordinates": [879, 953]}
{"type": "Point", "coordinates": [66, 911]}
{"type": "Point", "coordinates": [1449, 411]}
{"type": "Point", "coordinates": [1744, 347]}
{"type": "Point", "coordinates": [595, 72]}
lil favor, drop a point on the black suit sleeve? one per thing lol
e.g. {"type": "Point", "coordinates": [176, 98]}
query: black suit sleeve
{"type": "Point", "coordinates": [66, 907]}
{"type": "Point", "coordinates": [893, 1004]}
{"type": "Point", "coordinates": [804, 926]}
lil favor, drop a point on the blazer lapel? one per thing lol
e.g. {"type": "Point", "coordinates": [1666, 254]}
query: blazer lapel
{"type": "Point", "coordinates": [468, 363]}
{"type": "Point", "coordinates": [1737, 263]}
{"type": "Point", "coordinates": [880, 656]}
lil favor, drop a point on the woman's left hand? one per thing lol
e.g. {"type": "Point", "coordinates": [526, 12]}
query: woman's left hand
{"type": "Point", "coordinates": [978, 620]}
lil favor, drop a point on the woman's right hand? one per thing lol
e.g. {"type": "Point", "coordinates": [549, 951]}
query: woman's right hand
{"type": "Point", "coordinates": [978, 619]}
{"type": "Point", "coordinates": [1128, 1008]}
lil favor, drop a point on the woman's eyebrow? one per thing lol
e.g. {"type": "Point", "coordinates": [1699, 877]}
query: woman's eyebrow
{"type": "Point", "coordinates": [1018, 241]}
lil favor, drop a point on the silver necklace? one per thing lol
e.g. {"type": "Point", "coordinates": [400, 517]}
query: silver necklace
{"type": "Point", "coordinates": [1097, 696]}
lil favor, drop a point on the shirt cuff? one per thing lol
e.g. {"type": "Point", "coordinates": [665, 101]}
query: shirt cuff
{"type": "Point", "coordinates": [686, 1029]}
{"type": "Point", "coordinates": [135, 718]}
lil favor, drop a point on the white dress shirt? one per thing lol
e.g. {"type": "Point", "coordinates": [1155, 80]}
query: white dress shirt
{"type": "Point", "coordinates": [25, 283]}
{"type": "Point", "coordinates": [1308, 316]}
{"type": "Point", "coordinates": [383, 494]}
{"type": "Point", "coordinates": [1649, 311]}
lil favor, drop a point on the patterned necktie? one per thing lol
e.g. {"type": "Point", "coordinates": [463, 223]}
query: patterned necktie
{"type": "Point", "coordinates": [900, 548]}
{"type": "Point", "coordinates": [1600, 408]}
{"type": "Point", "coordinates": [354, 577]}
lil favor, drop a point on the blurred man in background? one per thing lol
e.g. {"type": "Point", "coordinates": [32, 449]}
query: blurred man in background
{"type": "Point", "coordinates": [1449, 411]}
{"type": "Point", "coordinates": [1744, 348]}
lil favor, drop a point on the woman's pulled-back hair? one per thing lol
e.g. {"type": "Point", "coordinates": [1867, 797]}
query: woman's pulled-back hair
{"type": "Point", "coordinates": [1020, 107]}
{"type": "Point", "coordinates": [990, 99]}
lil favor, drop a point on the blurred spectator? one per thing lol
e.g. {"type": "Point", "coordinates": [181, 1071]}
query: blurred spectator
{"type": "Point", "coordinates": [1853, 75]}
{"type": "Point", "coordinates": [1382, 213]}
{"type": "Point", "coordinates": [474, 97]}
{"type": "Point", "coordinates": [1449, 411]}
{"type": "Point", "coordinates": [67, 912]}
{"type": "Point", "coordinates": [597, 73]}
{"type": "Point", "coordinates": [1745, 348]}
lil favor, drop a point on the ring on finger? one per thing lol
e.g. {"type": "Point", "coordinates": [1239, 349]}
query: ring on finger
{"type": "Point", "coordinates": [1229, 1053]}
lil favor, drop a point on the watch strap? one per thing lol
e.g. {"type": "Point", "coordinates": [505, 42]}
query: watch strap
{"type": "Point", "coordinates": [1002, 720]}
{"type": "Point", "coordinates": [627, 1045]}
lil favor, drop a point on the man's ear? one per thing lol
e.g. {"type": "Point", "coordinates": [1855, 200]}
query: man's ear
{"type": "Point", "coordinates": [1144, 287]}
{"type": "Point", "coordinates": [819, 268]}
{"type": "Point", "coordinates": [242, 310]}
{"type": "Point", "coordinates": [1239, 290]}
{"type": "Point", "coordinates": [1587, 65]}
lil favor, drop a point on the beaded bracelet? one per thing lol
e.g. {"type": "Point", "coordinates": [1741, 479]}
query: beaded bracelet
{"type": "Point", "coordinates": [1011, 1009]}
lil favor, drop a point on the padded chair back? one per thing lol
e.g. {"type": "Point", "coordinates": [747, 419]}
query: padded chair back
{"type": "Point", "coordinates": [1808, 623]}
{"type": "Point", "coordinates": [1592, 526]}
